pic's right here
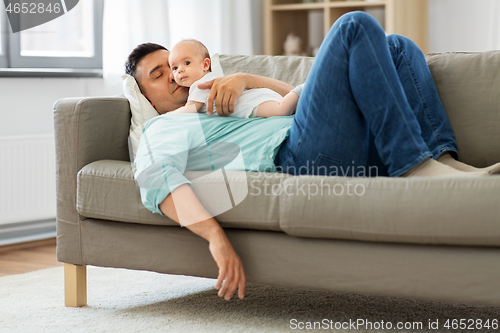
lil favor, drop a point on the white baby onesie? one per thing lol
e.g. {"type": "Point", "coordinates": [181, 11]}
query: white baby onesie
{"type": "Point", "coordinates": [245, 106]}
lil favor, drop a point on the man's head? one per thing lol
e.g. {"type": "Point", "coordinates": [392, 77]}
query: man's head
{"type": "Point", "coordinates": [190, 61]}
{"type": "Point", "coordinates": [148, 64]}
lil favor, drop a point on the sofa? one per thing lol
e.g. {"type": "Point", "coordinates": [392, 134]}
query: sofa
{"type": "Point", "coordinates": [425, 238]}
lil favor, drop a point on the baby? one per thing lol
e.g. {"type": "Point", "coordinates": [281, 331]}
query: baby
{"type": "Point", "coordinates": [190, 64]}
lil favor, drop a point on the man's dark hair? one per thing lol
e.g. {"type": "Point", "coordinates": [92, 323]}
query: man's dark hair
{"type": "Point", "coordinates": [138, 54]}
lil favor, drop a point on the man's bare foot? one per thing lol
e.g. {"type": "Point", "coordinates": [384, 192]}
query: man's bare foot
{"type": "Point", "coordinates": [432, 168]}
{"type": "Point", "coordinates": [447, 159]}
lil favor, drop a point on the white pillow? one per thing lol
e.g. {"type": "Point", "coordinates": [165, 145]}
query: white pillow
{"type": "Point", "coordinates": [142, 110]}
{"type": "Point", "coordinates": [216, 67]}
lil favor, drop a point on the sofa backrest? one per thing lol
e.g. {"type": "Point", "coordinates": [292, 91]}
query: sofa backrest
{"type": "Point", "coordinates": [468, 84]}
{"type": "Point", "coordinates": [469, 87]}
{"type": "Point", "coordinates": [290, 69]}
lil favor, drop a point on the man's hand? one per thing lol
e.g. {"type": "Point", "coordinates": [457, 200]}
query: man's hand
{"type": "Point", "coordinates": [230, 267]}
{"type": "Point", "coordinates": [189, 208]}
{"type": "Point", "coordinates": [224, 91]}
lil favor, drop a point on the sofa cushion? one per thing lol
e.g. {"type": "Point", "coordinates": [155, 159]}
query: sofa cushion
{"type": "Point", "coordinates": [107, 190]}
{"type": "Point", "coordinates": [463, 211]}
{"type": "Point", "coordinates": [468, 85]}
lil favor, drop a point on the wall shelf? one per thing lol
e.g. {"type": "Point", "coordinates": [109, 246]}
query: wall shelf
{"type": "Point", "coordinates": [405, 17]}
{"type": "Point", "coordinates": [333, 4]}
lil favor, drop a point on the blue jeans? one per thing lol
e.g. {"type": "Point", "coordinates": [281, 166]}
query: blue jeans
{"type": "Point", "coordinates": [369, 107]}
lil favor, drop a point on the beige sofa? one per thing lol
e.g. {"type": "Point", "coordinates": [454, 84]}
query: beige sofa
{"type": "Point", "coordinates": [435, 239]}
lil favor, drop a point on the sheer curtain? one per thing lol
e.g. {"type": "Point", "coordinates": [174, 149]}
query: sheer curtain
{"type": "Point", "coordinates": [224, 26]}
{"type": "Point", "coordinates": [464, 25]}
{"type": "Point", "coordinates": [494, 31]}
{"type": "Point", "coordinates": [126, 24]}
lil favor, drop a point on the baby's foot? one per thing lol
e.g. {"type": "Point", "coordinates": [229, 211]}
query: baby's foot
{"type": "Point", "coordinates": [298, 89]}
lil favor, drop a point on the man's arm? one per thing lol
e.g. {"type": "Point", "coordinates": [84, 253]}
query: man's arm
{"type": "Point", "coordinates": [170, 153]}
{"type": "Point", "coordinates": [227, 89]}
{"type": "Point", "coordinates": [187, 211]}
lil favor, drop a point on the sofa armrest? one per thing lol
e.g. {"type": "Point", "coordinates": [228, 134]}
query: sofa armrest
{"type": "Point", "coordinates": [86, 130]}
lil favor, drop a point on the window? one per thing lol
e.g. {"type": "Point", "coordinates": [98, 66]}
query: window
{"type": "Point", "coordinates": [3, 42]}
{"type": "Point", "coordinates": [69, 45]}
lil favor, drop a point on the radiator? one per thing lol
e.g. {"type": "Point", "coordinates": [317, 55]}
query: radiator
{"type": "Point", "coordinates": [27, 179]}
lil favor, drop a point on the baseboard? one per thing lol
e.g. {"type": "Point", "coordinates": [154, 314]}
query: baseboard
{"type": "Point", "coordinates": [24, 232]}
{"type": "Point", "coordinates": [21, 246]}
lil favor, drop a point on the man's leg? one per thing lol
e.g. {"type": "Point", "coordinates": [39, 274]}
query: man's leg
{"type": "Point", "coordinates": [424, 100]}
{"type": "Point", "coordinates": [353, 88]}
{"type": "Point", "coordinates": [422, 95]}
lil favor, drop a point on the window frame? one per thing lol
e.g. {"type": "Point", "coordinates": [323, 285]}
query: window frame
{"type": "Point", "coordinates": [13, 64]}
{"type": "Point", "coordinates": [4, 26]}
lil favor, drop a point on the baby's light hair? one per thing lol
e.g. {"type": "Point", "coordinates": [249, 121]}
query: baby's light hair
{"type": "Point", "coordinates": [202, 49]}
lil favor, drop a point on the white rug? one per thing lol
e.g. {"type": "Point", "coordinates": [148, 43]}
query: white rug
{"type": "Point", "coordinates": [136, 301]}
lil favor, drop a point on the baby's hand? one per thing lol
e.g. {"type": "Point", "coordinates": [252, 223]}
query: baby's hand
{"type": "Point", "coordinates": [185, 109]}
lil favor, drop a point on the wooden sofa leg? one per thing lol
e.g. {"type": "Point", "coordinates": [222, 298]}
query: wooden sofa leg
{"type": "Point", "coordinates": [75, 285]}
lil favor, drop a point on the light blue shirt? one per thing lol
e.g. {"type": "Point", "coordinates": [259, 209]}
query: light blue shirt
{"type": "Point", "coordinates": [174, 143]}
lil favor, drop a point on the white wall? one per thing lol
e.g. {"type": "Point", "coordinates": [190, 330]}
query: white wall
{"type": "Point", "coordinates": [464, 25]}
{"type": "Point", "coordinates": [26, 103]}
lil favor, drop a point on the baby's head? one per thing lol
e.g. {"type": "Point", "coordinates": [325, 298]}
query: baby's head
{"type": "Point", "coordinates": [190, 61]}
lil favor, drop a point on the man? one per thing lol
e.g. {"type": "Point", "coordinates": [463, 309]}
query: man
{"type": "Point", "coordinates": [364, 97]}
{"type": "Point", "coordinates": [149, 65]}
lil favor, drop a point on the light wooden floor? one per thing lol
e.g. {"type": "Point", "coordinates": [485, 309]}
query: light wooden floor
{"type": "Point", "coordinates": [27, 257]}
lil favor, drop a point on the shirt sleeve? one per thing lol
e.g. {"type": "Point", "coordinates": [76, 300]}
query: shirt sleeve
{"type": "Point", "coordinates": [198, 95]}
{"type": "Point", "coordinates": [161, 161]}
